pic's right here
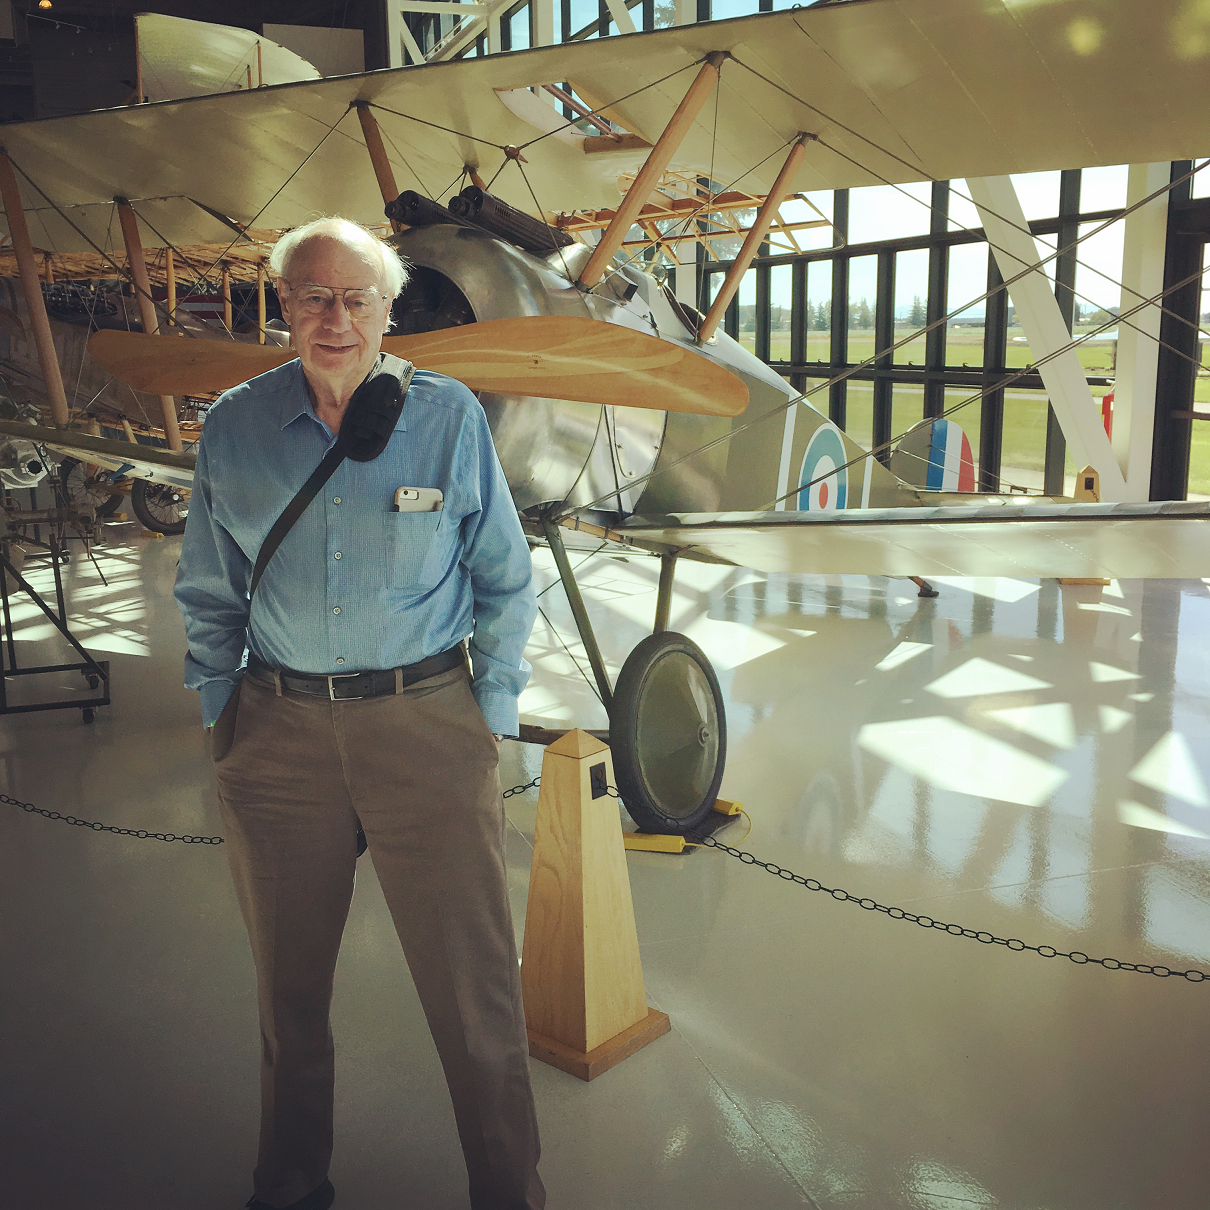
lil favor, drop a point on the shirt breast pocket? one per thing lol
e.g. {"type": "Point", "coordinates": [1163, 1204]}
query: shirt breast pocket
{"type": "Point", "coordinates": [413, 550]}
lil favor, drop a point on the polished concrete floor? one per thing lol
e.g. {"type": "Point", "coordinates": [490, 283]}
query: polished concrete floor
{"type": "Point", "coordinates": [1014, 757]}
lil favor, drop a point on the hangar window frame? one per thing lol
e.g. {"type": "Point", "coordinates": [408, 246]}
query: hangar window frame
{"type": "Point", "coordinates": [938, 374]}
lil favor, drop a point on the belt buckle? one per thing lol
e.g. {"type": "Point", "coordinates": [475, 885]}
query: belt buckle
{"type": "Point", "coordinates": [341, 676]}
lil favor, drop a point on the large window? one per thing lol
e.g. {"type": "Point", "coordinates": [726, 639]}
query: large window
{"type": "Point", "coordinates": [853, 278]}
{"type": "Point", "coordinates": [914, 258]}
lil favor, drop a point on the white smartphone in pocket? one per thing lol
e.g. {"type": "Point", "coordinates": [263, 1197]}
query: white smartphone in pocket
{"type": "Point", "coordinates": [419, 500]}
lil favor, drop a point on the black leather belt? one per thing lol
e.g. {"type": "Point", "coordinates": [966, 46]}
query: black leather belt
{"type": "Point", "coordinates": [353, 686]}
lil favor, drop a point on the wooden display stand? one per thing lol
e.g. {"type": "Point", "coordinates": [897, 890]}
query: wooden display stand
{"type": "Point", "coordinates": [585, 1004]}
{"type": "Point", "coordinates": [1088, 491]}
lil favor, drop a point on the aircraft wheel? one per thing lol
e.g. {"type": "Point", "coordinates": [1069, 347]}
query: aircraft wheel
{"type": "Point", "coordinates": [668, 734]}
{"type": "Point", "coordinates": [161, 507]}
{"type": "Point", "coordinates": [85, 489]}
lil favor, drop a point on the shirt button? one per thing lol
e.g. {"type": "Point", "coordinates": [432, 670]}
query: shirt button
{"type": "Point", "coordinates": [336, 555]}
{"type": "Point", "coordinates": [336, 609]}
{"type": "Point", "coordinates": [340, 659]}
{"type": "Point", "coordinates": [335, 499]}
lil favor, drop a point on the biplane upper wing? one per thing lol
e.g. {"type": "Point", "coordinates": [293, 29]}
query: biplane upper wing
{"type": "Point", "coordinates": [949, 88]}
{"type": "Point", "coordinates": [1163, 540]}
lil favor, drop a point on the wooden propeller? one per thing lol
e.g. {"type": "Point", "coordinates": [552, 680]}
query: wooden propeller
{"type": "Point", "coordinates": [548, 356]}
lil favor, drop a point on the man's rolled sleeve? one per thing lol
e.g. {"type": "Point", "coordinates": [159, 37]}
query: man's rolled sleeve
{"type": "Point", "coordinates": [212, 594]}
{"type": "Point", "coordinates": [496, 555]}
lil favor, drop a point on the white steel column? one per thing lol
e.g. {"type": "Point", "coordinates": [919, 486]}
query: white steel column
{"type": "Point", "coordinates": [1146, 235]}
{"type": "Point", "coordinates": [544, 22]}
{"type": "Point", "coordinates": [1042, 321]}
{"type": "Point", "coordinates": [621, 15]}
{"type": "Point", "coordinates": [686, 12]}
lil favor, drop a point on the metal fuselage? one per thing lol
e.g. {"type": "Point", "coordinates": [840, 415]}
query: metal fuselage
{"type": "Point", "coordinates": [551, 450]}
{"type": "Point", "coordinates": [561, 450]}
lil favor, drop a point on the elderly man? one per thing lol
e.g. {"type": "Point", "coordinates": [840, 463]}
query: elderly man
{"type": "Point", "coordinates": [356, 710]}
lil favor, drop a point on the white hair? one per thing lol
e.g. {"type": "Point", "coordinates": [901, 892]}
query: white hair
{"type": "Point", "coordinates": [394, 271]}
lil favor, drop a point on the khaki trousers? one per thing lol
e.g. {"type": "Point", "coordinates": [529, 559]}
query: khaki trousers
{"type": "Point", "coordinates": [418, 770]}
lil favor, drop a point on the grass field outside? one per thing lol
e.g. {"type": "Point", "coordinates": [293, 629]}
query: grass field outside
{"type": "Point", "coordinates": [1024, 440]}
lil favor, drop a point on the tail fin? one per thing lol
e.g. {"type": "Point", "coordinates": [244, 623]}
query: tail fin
{"type": "Point", "coordinates": [935, 455]}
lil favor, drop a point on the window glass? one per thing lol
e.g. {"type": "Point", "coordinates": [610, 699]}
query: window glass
{"type": "Point", "coordinates": [967, 280]}
{"type": "Point", "coordinates": [1199, 445]}
{"type": "Point", "coordinates": [518, 29]}
{"type": "Point", "coordinates": [1023, 445]}
{"type": "Point", "coordinates": [584, 13]}
{"type": "Point", "coordinates": [1199, 183]}
{"type": "Point", "coordinates": [859, 412]}
{"type": "Point", "coordinates": [720, 10]}
{"type": "Point", "coordinates": [797, 210]}
{"type": "Point", "coordinates": [911, 298]}
{"type": "Point", "coordinates": [747, 310]}
{"type": "Point", "coordinates": [714, 282]}
{"type": "Point", "coordinates": [1103, 188]}
{"type": "Point", "coordinates": [963, 216]}
{"type": "Point", "coordinates": [881, 212]}
{"type": "Point", "coordinates": [1098, 296]}
{"type": "Point", "coordinates": [781, 289]}
{"type": "Point", "coordinates": [665, 13]}
{"type": "Point", "coordinates": [907, 408]}
{"type": "Point", "coordinates": [819, 311]}
{"type": "Point", "coordinates": [1038, 193]}
{"type": "Point", "coordinates": [863, 293]}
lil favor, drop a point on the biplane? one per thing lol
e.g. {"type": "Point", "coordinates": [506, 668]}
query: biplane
{"type": "Point", "coordinates": [619, 410]}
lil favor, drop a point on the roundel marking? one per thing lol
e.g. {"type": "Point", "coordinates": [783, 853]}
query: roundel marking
{"type": "Point", "coordinates": [824, 479]}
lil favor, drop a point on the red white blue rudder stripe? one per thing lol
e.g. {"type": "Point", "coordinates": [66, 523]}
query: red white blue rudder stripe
{"type": "Point", "coordinates": [935, 455]}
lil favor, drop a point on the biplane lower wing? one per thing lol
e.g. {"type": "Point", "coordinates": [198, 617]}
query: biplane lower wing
{"type": "Point", "coordinates": [1168, 539]}
{"type": "Point", "coordinates": [120, 457]}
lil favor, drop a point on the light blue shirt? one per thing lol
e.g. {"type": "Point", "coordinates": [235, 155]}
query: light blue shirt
{"type": "Point", "coordinates": [355, 585]}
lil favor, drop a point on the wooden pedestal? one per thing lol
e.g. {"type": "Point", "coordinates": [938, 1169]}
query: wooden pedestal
{"type": "Point", "coordinates": [585, 1005]}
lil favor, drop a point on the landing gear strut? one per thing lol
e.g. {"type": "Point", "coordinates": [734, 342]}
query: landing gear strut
{"type": "Point", "coordinates": [667, 724]}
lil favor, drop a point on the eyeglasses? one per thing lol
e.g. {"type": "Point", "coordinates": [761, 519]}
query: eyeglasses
{"type": "Point", "coordinates": [361, 304]}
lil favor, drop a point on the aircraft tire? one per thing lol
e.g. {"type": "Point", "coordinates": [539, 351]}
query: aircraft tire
{"type": "Point", "coordinates": [81, 489]}
{"type": "Point", "coordinates": [159, 507]}
{"type": "Point", "coordinates": [668, 734]}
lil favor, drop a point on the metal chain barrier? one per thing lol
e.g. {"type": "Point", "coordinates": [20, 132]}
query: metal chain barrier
{"type": "Point", "coordinates": [742, 855]}
{"type": "Point", "coordinates": [143, 834]}
{"type": "Point", "coordinates": [529, 785]}
{"type": "Point", "coordinates": [140, 833]}
{"type": "Point", "coordinates": [954, 930]}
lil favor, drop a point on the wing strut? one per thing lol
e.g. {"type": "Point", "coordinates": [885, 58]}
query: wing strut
{"type": "Point", "coordinates": [34, 302]}
{"type": "Point", "coordinates": [579, 610]}
{"type": "Point", "coordinates": [653, 168]}
{"type": "Point", "coordinates": [151, 325]}
{"type": "Point", "coordinates": [378, 156]}
{"type": "Point", "coordinates": [756, 235]}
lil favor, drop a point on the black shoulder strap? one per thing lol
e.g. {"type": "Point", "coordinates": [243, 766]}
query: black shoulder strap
{"type": "Point", "coordinates": [365, 430]}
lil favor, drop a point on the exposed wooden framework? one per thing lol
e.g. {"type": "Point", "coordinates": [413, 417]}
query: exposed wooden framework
{"type": "Point", "coordinates": [669, 221]}
{"type": "Point", "coordinates": [653, 169]}
{"type": "Point", "coordinates": [32, 286]}
{"type": "Point", "coordinates": [383, 172]}
{"type": "Point", "coordinates": [151, 323]}
{"type": "Point", "coordinates": [754, 238]}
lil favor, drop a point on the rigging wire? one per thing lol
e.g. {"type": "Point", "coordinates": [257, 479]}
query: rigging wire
{"type": "Point", "coordinates": [805, 395]}
{"type": "Point", "coordinates": [571, 657]}
{"type": "Point", "coordinates": [1004, 285]}
{"type": "Point", "coordinates": [435, 125]}
{"type": "Point", "coordinates": [611, 104]}
{"type": "Point", "coordinates": [916, 168]}
{"type": "Point", "coordinates": [558, 247]}
{"type": "Point", "coordinates": [406, 164]}
{"type": "Point", "coordinates": [997, 248]}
